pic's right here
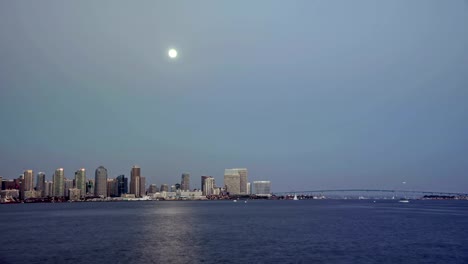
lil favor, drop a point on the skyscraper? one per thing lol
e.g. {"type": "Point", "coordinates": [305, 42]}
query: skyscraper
{"type": "Point", "coordinates": [100, 182]}
{"type": "Point", "coordinates": [142, 186]}
{"type": "Point", "coordinates": [135, 181]}
{"type": "Point", "coordinates": [185, 182]}
{"type": "Point", "coordinates": [122, 185]}
{"type": "Point", "coordinates": [40, 184]}
{"type": "Point", "coordinates": [80, 181]}
{"type": "Point", "coordinates": [235, 180]}
{"type": "Point", "coordinates": [28, 183]}
{"type": "Point", "coordinates": [164, 188]}
{"type": "Point", "coordinates": [58, 179]}
{"type": "Point", "coordinates": [207, 185]}
{"type": "Point", "coordinates": [111, 188]}
{"type": "Point", "coordinates": [67, 185]}
{"type": "Point", "coordinates": [262, 188]}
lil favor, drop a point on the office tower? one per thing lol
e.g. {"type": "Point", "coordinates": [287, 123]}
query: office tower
{"type": "Point", "coordinates": [164, 188]}
{"type": "Point", "coordinates": [122, 185]}
{"type": "Point", "coordinates": [249, 191]}
{"type": "Point", "coordinates": [58, 179]}
{"type": "Point", "coordinates": [90, 187]}
{"type": "Point", "coordinates": [48, 189]}
{"type": "Point", "coordinates": [185, 183]}
{"type": "Point", "coordinates": [142, 186]}
{"type": "Point", "coordinates": [243, 180]}
{"type": "Point", "coordinates": [28, 183]}
{"type": "Point", "coordinates": [100, 182]}
{"type": "Point", "coordinates": [68, 184]}
{"type": "Point", "coordinates": [207, 185]}
{"type": "Point", "coordinates": [135, 181]}
{"type": "Point", "coordinates": [111, 188]}
{"type": "Point", "coordinates": [152, 189]}
{"type": "Point", "coordinates": [80, 181]}
{"type": "Point", "coordinates": [40, 184]}
{"type": "Point", "coordinates": [232, 181]}
{"type": "Point", "coordinates": [262, 188]}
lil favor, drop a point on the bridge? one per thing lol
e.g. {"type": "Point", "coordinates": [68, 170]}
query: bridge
{"type": "Point", "coordinates": [378, 192]}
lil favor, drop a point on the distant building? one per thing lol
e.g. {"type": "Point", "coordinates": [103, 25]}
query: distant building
{"type": "Point", "coordinates": [122, 185]}
{"type": "Point", "coordinates": [80, 181]}
{"type": "Point", "coordinates": [68, 184]}
{"type": "Point", "coordinates": [142, 186]}
{"type": "Point", "coordinates": [164, 188]}
{"type": "Point", "coordinates": [111, 190]}
{"type": "Point", "coordinates": [28, 183]}
{"type": "Point", "coordinates": [262, 188]}
{"type": "Point", "coordinates": [58, 178]}
{"type": "Point", "coordinates": [207, 185]}
{"type": "Point", "coordinates": [48, 189]}
{"type": "Point", "coordinates": [152, 189]}
{"type": "Point", "coordinates": [100, 181]}
{"type": "Point", "coordinates": [135, 175]}
{"type": "Point", "coordinates": [185, 182]}
{"type": "Point", "coordinates": [90, 187]}
{"type": "Point", "coordinates": [74, 194]}
{"type": "Point", "coordinates": [40, 184]}
{"type": "Point", "coordinates": [249, 191]}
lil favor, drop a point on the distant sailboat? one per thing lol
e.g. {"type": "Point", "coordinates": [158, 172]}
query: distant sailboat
{"type": "Point", "coordinates": [295, 198]}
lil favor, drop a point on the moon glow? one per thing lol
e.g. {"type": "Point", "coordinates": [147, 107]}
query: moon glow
{"type": "Point", "coordinates": [172, 53]}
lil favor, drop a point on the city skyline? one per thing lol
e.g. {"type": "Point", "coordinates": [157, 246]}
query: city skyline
{"type": "Point", "coordinates": [308, 94]}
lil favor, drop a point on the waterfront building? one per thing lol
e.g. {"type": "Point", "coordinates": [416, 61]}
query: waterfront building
{"type": "Point", "coordinates": [249, 191]}
{"type": "Point", "coordinates": [28, 183]}
{"type": "Point", "coordinates": [68, 184]}
{"type": "Point", "coordinates": [262, 188]}
{"type": "Point", "coordinates": [142, 186]}
{"type": "Point", "coordinates": [111, 188]}
{"type": "Point", "coordinates": [207, 185]}
{"type": "Point", "coordinates": [235, 180]}
{"type": "Point", "coordinates": [100, 181]}
{"type": "Point", "coordinates": [135, 175]}
{"type": "Point", "coordinates": [74, 194]}
{"type": "Point", "coordinates": [80, 181]}
{"type": "Point", "coordinates": [48, 189]}
{"type": "Point", "coordinates": [122, 185]}
{"type": "Point", "coordinates": [164, 188]}
{"type": "Point", "coordinates": [40, 183]}
{"type": "Point", "coordinates": [152, 189]}
{"type": "Point", "coordinates": [185, 182]}
{"type": "Point", "coordinates": [58, 179]}
{"type": "Point", "coordinates": [10, 193]}
{"type": "Point", "coordinates": [90, 187]}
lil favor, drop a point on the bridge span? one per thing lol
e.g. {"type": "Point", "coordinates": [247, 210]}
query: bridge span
{"type": "Point", "coordinates": [374, 191]}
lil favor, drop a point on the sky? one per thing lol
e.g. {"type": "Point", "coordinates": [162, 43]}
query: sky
{"type": "Point", "coordinates": [308, 94]}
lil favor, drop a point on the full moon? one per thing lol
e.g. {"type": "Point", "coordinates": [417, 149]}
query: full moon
{"type": "Point", "coordinates": [172, 53]}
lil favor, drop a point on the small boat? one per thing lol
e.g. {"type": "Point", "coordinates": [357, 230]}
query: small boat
{"type": "Point", "coordinates": [235, 201]}
{"type": "Point", "coordinates": [404, 201]}
{"type": "Point", "coordinates": [295, 198]}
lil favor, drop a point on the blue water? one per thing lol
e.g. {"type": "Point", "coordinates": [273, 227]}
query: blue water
{"type": "Point", "coordinates": [313, 231]}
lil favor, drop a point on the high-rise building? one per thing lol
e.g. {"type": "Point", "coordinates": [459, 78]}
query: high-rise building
{"type": "Point", "coordinates": [152, 189]}
{"type": "Point", "coordinates": [40, 184]}
{"type": "Point", "coordinates": [262, 188]}
{"type": "Point", "coordinates": [235, 180]}
{"type": "Point", "coordinates": [207, 185]}
{"type": "Point", "coordinates": [185, 182]}
{"type": "Point", "coordinates": [135, 175]}
{"type": "Point", "coordinates": [100, 182]}
{"type": "Point", "coordinates": [164, 188]}
{"type": "Point", "coordinates": [142, 186]}
{"type": "Point", "coordinates": [249, 191]}
{"type": "Point", "coordinates": [80, 181]}
{"type": "Point", "coordinates": [58, 179]}
{"type": "Point", "coordinates": [111, 188]}
{"type": "Point", "coordinates": [90, 187]}
{"type": "Point", "coordinates": [28, 183]}
{"type": "Point", "coordinates": [122, 185]}
{"type": "Point", "coordinates": [68, 184]}
{"type": "Point", "coordinates": [48, 189]}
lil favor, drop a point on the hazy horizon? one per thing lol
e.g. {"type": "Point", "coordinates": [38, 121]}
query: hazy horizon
{"type": "Point", "coordinates": [307, 94]}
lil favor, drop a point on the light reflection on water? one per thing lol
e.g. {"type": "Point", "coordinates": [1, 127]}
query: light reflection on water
{"type": "Point", "coordinates": [225, 232]}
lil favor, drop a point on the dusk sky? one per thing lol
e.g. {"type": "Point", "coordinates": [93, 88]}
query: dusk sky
{"type": "Point", "coordinates": [307, 94]}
